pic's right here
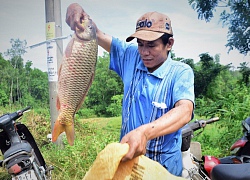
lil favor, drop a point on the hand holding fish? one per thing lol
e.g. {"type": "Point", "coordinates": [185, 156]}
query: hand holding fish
{"type": "Point", "coordinates": [74, 16]}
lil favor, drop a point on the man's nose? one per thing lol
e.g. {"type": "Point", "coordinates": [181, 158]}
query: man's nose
{"type": "Point", "coordinates": [144, 51]}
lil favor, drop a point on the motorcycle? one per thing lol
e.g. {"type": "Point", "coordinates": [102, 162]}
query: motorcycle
{"type": "Point", "coordinates": [241, 148]}
{"type": "Point", "coordinates": [205, 167]}
{"type": "Point", "coordinates": [191, 151]}
{"type": "Point", "coordinates": [21, 156]}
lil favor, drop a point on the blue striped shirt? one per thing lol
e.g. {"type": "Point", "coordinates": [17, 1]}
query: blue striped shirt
{"type": "Point", "coordinates": [147, 96]}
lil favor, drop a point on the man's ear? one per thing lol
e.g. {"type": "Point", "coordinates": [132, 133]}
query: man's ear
{"type": "Point", "coordinates": [170, 43]}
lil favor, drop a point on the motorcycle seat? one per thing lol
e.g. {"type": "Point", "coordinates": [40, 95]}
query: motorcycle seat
{"type": "Point", "coordinates": [16, 148]}
{"type": "Point", "coordinates": [231, 172]}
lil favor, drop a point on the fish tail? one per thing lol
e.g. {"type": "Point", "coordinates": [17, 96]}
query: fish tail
{"type": "Point", "coordinates": [68, 129]}
{"type": "Point", "coordinates": [57, 130]}
{"type": "Point", "coordinates": [70, 133]}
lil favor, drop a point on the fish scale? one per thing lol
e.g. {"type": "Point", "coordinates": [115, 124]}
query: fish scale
{"type": "Point", "coordinates": [74, 80]}
{"type": "Point", "coordinates": [81, 72]}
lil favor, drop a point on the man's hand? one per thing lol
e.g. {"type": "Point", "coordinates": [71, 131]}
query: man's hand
{"type": "Point", "coordinates": [137, 141]}
{"type": "Point", "coordinates": [74, 16]}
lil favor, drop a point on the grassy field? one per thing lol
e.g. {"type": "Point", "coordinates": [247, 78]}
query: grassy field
{"type": "Point", "coordinates": [72, 162]}
{"type": "Point", "coordinates": [92, 135]}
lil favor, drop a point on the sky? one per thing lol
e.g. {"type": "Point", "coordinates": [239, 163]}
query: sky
{"type": "Point", "coordinates": [26, 20]}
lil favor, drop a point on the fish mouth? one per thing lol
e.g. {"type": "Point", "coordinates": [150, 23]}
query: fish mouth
{"type": "Point", "coordinates": [87, 35]}
{"type": "Point", "coordinates": [89, 31]}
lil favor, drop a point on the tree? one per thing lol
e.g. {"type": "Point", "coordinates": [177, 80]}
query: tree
{"type": "Point", "coordinates": [15, 54]}
{"type": "Point", "coordinates": [21, 84]}
{"type": "Point", "coordinates": [5, 68]}
{"type": "Point", "coordinates": [205, 73]}
{"type": "Point", "coordinates": [245, 71]}
{"type": "Point", "coordinates": [106, 84]}
{"type": "Point", "coordinates": [237, 20]}
{"type": "Point", "coordinates": [38, 87]}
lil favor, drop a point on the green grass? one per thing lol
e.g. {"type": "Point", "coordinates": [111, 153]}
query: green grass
{"type": "Point", "coordinates": [92, 135]}
{"type": "Point", "coordinates": [71, 162]}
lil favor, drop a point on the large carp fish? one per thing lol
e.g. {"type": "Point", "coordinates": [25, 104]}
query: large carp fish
{"type": "Point", "coordinates": [75, 77]}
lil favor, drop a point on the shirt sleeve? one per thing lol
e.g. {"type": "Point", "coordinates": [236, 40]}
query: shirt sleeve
{"type": "Point", "coordinates": [184, 84]}
{"type": "Point", "coordinates": [122, 56]}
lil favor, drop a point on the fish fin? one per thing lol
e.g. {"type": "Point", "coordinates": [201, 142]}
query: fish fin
{"type": "Point", "coordinates": [57, 130]}
{"type": "Point", "coordinates": [58, 104]}
{"type": "Point", "coordinates": [68, 50]}
{"type": "Point", "coordinates": [68, 129]}
{"type": "Point", "coordinates": [59, 71]}
{"type": "Point", "coordinates": [70, 133]}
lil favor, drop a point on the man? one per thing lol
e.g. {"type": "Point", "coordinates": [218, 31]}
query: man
{"type": "Point", "coordinates": [158, 92]}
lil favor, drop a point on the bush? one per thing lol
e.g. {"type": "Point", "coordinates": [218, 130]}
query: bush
{"type": "Point", "coordinates": [114, 109]}
{"type": "Point", "coordinates": [232, 109]}
{"type": "Point", "coordinates": [85, 113]}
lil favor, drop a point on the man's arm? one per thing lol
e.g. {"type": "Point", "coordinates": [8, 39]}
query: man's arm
{"type": "Point", "coordinates": [104, 40]}
{"type": "Point", "coordinates": [170, 122]}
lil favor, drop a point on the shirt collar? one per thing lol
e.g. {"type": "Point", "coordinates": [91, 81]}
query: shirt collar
{"type": "Point", "coordinates": [160, 72]}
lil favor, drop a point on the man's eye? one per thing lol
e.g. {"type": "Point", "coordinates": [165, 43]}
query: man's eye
{"type": "Point", "coordinates": [139, 44]}
{"type": "Point", "coordinates": [151, 45]}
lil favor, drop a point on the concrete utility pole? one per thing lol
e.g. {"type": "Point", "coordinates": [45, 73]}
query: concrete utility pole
{"type": "Point", "coordinates": [54, 54]}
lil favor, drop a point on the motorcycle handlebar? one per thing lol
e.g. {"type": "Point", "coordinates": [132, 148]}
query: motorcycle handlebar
{"type": "Point", "coordinates": [14, 116]}
{"type": "Point", "coordinates": [25, 109]}
{"type": "Point", "coordinates": [188, 131]}
{"type": "Point", "coordinates": [212, 120]}
{"type": "Point", "coordinates": [198, 124]}
{"type": "Point", "coordinates": [6, 118]}
{"type": "Point", "coordinates": [7, 124]}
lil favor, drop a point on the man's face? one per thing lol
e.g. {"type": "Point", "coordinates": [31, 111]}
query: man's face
{"type": "Point", "coordinates": [153, 53]}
